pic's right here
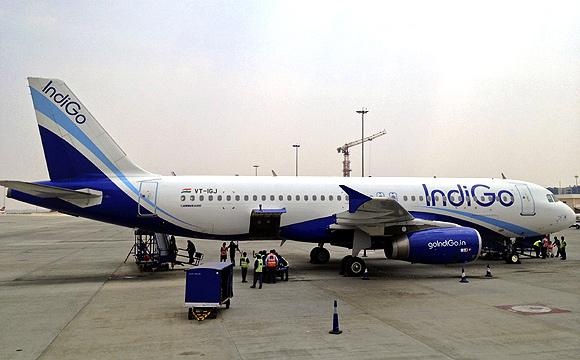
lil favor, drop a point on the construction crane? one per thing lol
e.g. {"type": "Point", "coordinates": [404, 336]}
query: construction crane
{"type": "Point", "coordinates": [345, 150]}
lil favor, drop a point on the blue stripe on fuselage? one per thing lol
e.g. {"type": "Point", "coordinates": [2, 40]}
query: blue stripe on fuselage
{"type": "Point", "coordinates": [516, 229]}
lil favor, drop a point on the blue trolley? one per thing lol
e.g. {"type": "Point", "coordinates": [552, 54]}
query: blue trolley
{"type": "Point", "coordinates": [207, 288]}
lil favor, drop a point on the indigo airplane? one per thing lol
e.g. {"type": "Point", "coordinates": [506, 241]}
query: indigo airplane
{"type": "Point", "coordinates": [420, 220]}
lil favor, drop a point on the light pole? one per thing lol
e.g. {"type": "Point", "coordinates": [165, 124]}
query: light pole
{"type": "Point", "coordinates": [296, 146]}
{"type": "Point", "coordinates": [256, 167]}
{"type": "Point", "coordinates": [576, 176]}
{"type": "Point", "coordinates": [362, 112]}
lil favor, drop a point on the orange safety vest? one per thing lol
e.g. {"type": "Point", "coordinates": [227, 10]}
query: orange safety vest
{"type": "Point", "coordinates": [223, 251]}
{"type": "Point", "coordinates": [271, 261]}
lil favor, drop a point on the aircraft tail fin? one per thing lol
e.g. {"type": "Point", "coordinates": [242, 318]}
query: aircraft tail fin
{"type": "Point", "coordinates": [75, 144]}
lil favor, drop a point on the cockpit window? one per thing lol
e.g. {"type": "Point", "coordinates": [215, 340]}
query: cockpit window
{"type": "Point", "coordinates": [549, 196]}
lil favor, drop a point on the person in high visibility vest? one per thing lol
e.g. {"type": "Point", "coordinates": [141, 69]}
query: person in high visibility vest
{"type": "Point", "coordinates": [563, 249]}
{"type": "Point", "coordinates": [283, 266]}
{"type": "Point", "coordinates": [244, 265]}
{"type": "Point", "coordinates": [258, 270]}
{"type": "Point", "coordinates": [271, 265]}
{"type": "Point", "coordinates": [537, 247]}
{"type": "Point", "coordinates": [224, 253]}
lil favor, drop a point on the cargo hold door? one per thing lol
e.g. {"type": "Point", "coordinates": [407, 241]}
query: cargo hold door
{"type": "Point", "coordinates": [265, 223]}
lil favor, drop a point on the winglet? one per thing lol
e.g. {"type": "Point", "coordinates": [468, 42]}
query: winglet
{"type": "Point", "coordinates": [355, 199]}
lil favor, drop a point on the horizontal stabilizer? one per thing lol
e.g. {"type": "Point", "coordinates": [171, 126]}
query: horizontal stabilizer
{"type": "Point", "coordinates": [81, 198]}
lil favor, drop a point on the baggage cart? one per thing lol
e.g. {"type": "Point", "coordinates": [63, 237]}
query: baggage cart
{"type": "Point", "coordinates": [208, 288]}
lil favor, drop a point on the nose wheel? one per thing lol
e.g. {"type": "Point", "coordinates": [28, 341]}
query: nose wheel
{"type": "Point", "coordinates": [319, 255]}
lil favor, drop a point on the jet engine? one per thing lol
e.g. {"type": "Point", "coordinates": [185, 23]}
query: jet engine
{"type": "Point", "coordinates": [436, 246]}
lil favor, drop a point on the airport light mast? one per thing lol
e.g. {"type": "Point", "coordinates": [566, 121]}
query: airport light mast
{"type": "Point", "coordinates": [345, 150]}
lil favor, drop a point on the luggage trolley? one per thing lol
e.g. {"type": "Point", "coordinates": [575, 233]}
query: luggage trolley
{"type": "Point", "coordinates": [207, 288]}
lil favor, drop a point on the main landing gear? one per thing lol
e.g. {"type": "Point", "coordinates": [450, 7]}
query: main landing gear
{"type": "Point", "coordinates": [352, 266]}
{"type": "Point", "coordinates": [319, 255]}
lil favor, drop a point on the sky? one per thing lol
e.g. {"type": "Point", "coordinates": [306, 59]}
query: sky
{"type": "Point", "coordinates": [463, 88]}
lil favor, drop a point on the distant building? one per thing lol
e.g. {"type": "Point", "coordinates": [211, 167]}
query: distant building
{"type": "Point", "coordinates": [572, 200]}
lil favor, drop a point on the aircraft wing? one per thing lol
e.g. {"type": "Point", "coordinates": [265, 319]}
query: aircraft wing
{"type": "Point", "coordinates": [379, 216]}
{"type": "Point", "coordinates": [82, 198]}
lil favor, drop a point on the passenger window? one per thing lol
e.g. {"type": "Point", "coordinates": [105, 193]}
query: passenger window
{"type": "Point", "coordinates": [297, 197]}
{"type": "Point", "coordinates": [405, 198]}
{"type": "Point", "coordinates": [281, 197]}
{"type": "Point", "coordinates": [436, 198]}
{"type": "Point", "coordinates": [289, 197]}
{"type": "Point", "coordinates": [255, 197]}
{"type": "Point", "coordinates": [219, 198]}
{"type": "Point", "coordinates": [192, 198]}
{"type": "Point", "coordinates": [413, 198]}
{"type": "Point", "coordinates": [346, 197]}
{"type": "Point", "coordinates": [421, 198]}
{"type": "Point", "coordinates": [321, 197]}
{"type": "Point", "coordinates": [210, 197]}
{"type": "Point", "coordinates": [263, 197]}
{"type": "Point", "coordinates": [201, 197]}
{"type": "Point", "coordinates": [182, 197]}
{"type": "Point", "coordinates": [313, 197]}
{"type": "Point", "coordinates": [330, 198]}
{"type": "Point", "coordinates": [305, 197]}
{"type": "Point", "coordinates": [429, 198]}
{"type": "Point", "coordinates": [338, 197]}
{"type": "Point", "coordinates": [272, 198]}
{"type": "Point", "coordinates": [246, 198]}
{"type": "Point", "coordinates": [237, 197]}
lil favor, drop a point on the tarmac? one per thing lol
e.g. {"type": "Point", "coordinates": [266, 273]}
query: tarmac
{"type": "Point", "coordinates": [65, 293]}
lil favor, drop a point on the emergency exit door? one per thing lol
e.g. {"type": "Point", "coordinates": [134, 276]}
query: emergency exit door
{"type": "Point", "coordinates": [147, 198]}
{"type": "Point", "coordinates": [528, 205]}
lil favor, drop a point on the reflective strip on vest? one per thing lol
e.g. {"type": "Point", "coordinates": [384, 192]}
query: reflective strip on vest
{"type": "Point", "coordinates": [260, 265]}
{"type": "Point", "coordinates": [245, 262]}
{"type": "Point", "coordinates": [271, 261]}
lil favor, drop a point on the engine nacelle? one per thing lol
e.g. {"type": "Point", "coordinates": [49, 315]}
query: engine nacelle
{"type": "Point", "coordinates": [436, 246]}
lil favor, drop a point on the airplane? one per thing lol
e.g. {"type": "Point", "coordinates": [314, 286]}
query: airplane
{"type": "Point", "coordinates": [419, 220]}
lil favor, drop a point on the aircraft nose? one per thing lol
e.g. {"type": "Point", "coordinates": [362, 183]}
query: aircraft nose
{"type": "Point", "coordinates": [569, 214]}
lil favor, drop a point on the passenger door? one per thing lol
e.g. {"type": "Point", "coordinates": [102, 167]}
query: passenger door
{"type": "Point", "coordinates": [147, 196]}
{"type": "Point", "coordinates": [528, 205]}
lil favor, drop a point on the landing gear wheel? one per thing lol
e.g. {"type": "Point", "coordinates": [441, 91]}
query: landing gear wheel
{"type": "Point", "coordinates": [319, 255]}
{"type": "Point", "coordinates": [190, 314]}
{"type": "Point", "coordinates": [227, 304]}
{"type": "Point", "coordinates": [355, 266]}
{"type": "Point", "coordinates": [343, 264]}
{"type": "Point", "coordinates": [513, 259]}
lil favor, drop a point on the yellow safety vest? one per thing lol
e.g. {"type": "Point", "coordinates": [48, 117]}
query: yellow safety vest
{"type": "Point", "coordinates": [260, 265]}
{"type": "Point", "coordinates": [538, 243]}
{"type": "Point", "coordinates": [244, 262]}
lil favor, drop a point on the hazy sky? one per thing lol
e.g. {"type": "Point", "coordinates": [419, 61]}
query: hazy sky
{"type": "Point", "coordinates": [463, 88]}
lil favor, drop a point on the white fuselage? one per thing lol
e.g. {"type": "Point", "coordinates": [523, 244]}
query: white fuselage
{"type": "Point", "coordinates": [221, 205]}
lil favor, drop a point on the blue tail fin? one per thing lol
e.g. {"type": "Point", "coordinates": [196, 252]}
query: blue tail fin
{"type": "Point", "coordinates": [75, 144]}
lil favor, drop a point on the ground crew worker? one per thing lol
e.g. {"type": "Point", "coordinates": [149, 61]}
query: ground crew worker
{"type": "Point", "coordinates": [190, 251]}
{"type": "Point", "coordinates": [271, 265]}
{"type": "Point", "coordinates": [244, 264]}
{"type": "Point", "coordinates": [224, 253]}
{"type": "Point", "coordinates": [563, 248]}
{"type": "Point", "coordinates": [537, 247]}
{"type": "Point", "coordinates": [172, 250]}
{"type": "Point", "coordinates": [258, 270]}
{"type": "Point", "coordinates": [557, 245]}
{"type": "Point", "coordinates": [283, 266]}
{"type": "Point", "coordinates": [233, 247]}
{"type": "Point", "coordinates": [545, 245]}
